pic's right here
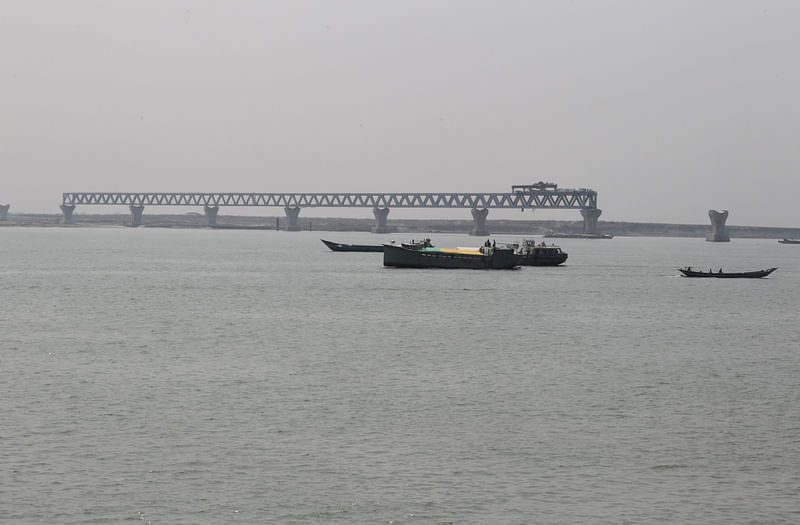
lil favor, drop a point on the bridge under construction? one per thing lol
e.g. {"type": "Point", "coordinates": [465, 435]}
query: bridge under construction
{"type": "Point", "coordinates": [535, 196]}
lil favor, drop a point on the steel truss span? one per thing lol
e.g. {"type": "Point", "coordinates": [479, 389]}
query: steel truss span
{"type": "Point", "coordinates": [567, 199]}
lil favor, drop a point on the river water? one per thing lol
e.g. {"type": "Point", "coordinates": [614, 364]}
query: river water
{"type": "Point", "coordinates": [207, 376]}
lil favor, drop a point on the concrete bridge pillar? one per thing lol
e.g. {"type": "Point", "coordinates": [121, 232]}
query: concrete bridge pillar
{"type": "Point", "coordinates": [136, 212]}
{"type": "Point", "coordinates": [380, 216]}
{"type": "Point", "coordinates": [211, 214]}
{"type": "Point", "coordinates": [292, 213]}
{"type": "Point", "coordinates": [479, 222]}
{"type": "Point", "coordinates": [4, 211]}
{"type": "Point", "coordinates": [67, 210]}
{"type": "Point", "coordinates": [590, 216]}
{"type": "Point", "coordinates": [719, 233]}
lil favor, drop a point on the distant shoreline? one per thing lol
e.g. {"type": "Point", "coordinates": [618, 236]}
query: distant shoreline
{"type": "Point", "coordinates": [334, 224]}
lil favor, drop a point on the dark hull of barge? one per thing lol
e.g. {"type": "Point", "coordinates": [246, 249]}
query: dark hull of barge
{"type": "Point", "coordinates": [495, 259]}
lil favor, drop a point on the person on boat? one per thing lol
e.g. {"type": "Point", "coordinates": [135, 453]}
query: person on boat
{"type": "Point", "coordinates": [720, 270]}
{"type": "Point", "coordinates": [688, 268]}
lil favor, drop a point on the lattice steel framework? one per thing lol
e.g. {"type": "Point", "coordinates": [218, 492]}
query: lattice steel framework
{"type": "Point", "coordinates": [568, 199]}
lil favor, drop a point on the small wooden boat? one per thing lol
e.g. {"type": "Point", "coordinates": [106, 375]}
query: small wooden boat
{"type": "Point", "coordinates": [787, 240]}
{"type": "Point", "coordinates": [688, 272]}
{"type": "Point", "coordinates": [539, 255]}
{"type": "Point", "coordinates": [339, 247]}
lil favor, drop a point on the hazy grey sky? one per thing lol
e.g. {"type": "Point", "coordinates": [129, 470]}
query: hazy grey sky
{"type": "Point", "coordinates": [666, 108]}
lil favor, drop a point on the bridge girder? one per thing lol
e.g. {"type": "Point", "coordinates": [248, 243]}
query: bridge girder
{"type": "Point", "coordinates": [566, 199]}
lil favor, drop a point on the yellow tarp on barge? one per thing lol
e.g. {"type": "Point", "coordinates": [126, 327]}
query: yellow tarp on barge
{"type": "Point", "coordinates": [459, 251]}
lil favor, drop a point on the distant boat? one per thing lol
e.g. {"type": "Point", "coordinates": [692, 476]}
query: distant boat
{"type": "Point", "coordinates": [339, 247]}
{"type": "Point", "coordinates": [238, 227]}
{"type": "Point", "coordinates": [416, 245]}
{"type": "Point", "coordinates": [484, 258]}
{"type": "Point", "coordinates": [786, 240]}
{"type": "Point", "coordinates": [688, 272]}
{"type": "Point", "coordinates": [579, 235]}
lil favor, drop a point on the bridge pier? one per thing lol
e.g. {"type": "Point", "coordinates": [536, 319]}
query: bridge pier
{"type": "Point", "coordinates": [719, 233]}
{"type": "Point", "coordinates": [292, 213]}
{"type": "Point", "coordinates": [4, 211]}
{"type": "Point", "coordinates": [479, 222]}
{"type": "Point", "coordinates": [211, 214]}
{"type": "Point", "coordinates": [136, 213]}
{"type": "Point", "coordinates": [590, 216]}
{"type": "Point", "coordinates": [67, 210]}
{"type": "Point", "coordinates": [380, 216]}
